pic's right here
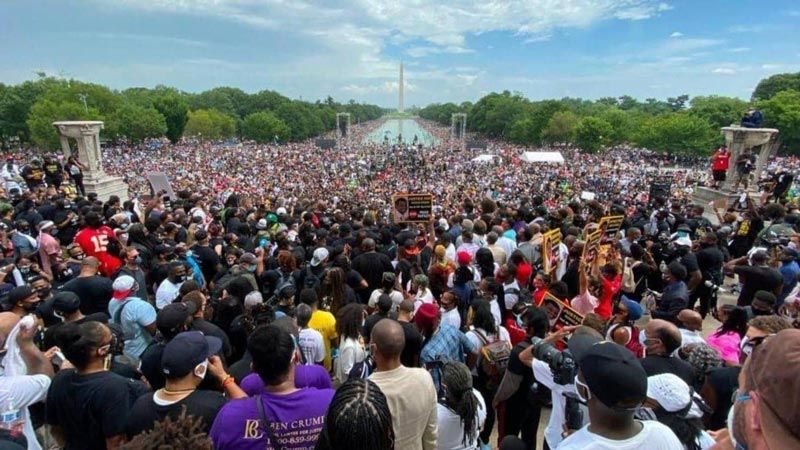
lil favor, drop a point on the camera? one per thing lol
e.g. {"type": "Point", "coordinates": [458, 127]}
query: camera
{"type": "Point", "coordinates": [562, 363]}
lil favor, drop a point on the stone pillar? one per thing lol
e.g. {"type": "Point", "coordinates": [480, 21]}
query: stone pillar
{"type": "Point", "coordinates": [739, 140]}
{"type": "Point", "coordinates": [87, 136]}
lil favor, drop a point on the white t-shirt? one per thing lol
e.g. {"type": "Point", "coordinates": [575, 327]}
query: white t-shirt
{"type": "Point", "coordinates": [451, 430]}
{"type": "Point", "coordinates": [397, 298]}
{"type": "Point", "coordinates": [511, 298]}
{"type": "Point", "coordinates": [422, 298]}
{"type": "Point", "coordinates": [654, 436]}
{"type": "Point", "coordinates": [312, 345]}
{"type": "Point", "coordinates": [543, 375]}
{"type": "Point", "coordinates": [23, 391]}
{"type": "Point", "coordinates": [495, 307]}
{"type": "Point", "coordinates": [166, 293]}
{"type": "Point", "coordinates": [451, 317]}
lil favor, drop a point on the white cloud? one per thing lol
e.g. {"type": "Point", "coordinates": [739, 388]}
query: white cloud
{"type": "Point", "coordinates": [746, 29]}
{"type": "Point", "coordinates": [724, 71]}
{"type": "Point", "coordinates": [771, 66]}
{"type": "Point", "coordinates": [676, 34]}
{"type": "Point", "coordinates": [387, 87]}
{"type": "Point", "coordinates": [738, 50]}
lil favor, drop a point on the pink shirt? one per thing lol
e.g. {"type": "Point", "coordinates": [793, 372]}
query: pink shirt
{"type": "Point", "coordinates": [727, 345]}
{"type": "Point", "coordinates": [49, 251]}
{"type": "Point", "coordinates": [584, 303]}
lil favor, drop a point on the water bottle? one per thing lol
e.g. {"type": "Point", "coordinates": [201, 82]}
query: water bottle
{"type": "Point", "coordinates": [11, 418]}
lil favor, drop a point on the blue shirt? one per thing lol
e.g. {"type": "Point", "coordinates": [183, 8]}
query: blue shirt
{"type": "Point", "coordinates": [137, 315]}
{"type": "Point", "coordinates": [789, 271]}
{"type": "Point", "coordinates": [446, 344]}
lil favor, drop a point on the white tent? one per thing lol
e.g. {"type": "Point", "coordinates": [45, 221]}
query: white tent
{"type": "Point", "coordinates": [543, 157]}
{"type": "Point", "coordinates": [484, 158]}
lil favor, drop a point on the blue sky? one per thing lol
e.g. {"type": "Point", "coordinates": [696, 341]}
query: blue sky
{"type": "Point", "coordinates": [454, 50]}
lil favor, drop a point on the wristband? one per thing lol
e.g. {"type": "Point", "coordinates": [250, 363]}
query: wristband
{"type": "Point", "coordinates": [228, 380]}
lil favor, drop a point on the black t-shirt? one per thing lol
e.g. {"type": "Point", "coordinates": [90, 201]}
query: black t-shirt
{"type": "Point", "coordinates": [209, 329]}
{"type": "Point", "coordinates": [90, 408]}
{"type": "Point", "coordinates": [371, 266]}
{"type": "Point", "coordinates": [200, 403]}
{"type": "Point", "coordinates": [95, 292]}
{"type": "Point", "coordinates": [208, 260]}
{"type": "Point", "coordinates": [413, 347]}
{"type": "Point", "coordinates": [520, 399]}
{"type": "Point", "coordinates": [641, 272]}
{"type": "Point", "coordinates": [656, 365]}
{"type": "Point", "coordinates": [151, 365]}
{"type": "Point", "coordinates": [756, 278]}
{"type": "Point", "coordinates": [724, 381]}
{"type": "Point", "coordinates": [689, 261]}
{"type": "Point", "coordinates": [710, 260]}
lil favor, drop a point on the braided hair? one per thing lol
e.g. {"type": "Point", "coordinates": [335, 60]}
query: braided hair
{"type": "Point", "coordinates": [184, 432]}
{"type": "Point", "coordinates": [460, 398]}
{"type": "Point", "coordinates": [358, 418]}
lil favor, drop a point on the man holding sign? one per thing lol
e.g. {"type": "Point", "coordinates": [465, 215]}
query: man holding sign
{"type": "Point", "coordinates": [412, 208]}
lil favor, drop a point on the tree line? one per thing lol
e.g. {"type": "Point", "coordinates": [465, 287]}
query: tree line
{"type": "Point", "coordinates": [677, 125]}
{"type": "Point", "coordinates": [28, 109]}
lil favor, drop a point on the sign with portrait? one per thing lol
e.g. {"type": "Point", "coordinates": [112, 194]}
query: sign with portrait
{"type": "Point", "coordinates": [559, 313]}
{"type": "Point", "coordinates": [408, 207]}
{"type": "Point", "coordinates": [591, 248]}
{"type": "Point", "coordinates": [550, 242]}
{"type": "Point", "coordinates": [610, 226]}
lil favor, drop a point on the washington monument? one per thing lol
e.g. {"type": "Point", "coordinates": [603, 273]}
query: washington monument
{"type": "Point", "coordinates": [400, 103]}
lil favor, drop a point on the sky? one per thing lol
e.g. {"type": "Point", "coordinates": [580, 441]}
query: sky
{"type": "Point", "coordinates": [452, 50]}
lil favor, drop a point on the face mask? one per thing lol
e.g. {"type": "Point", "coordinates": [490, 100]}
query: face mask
{"type": "Point", "coordinates": [180, 278]}
{"type": "Point", "coordinates": [59, 316]}
{"type": "Point", "coordinates": [579, 385]}
{"type": "Point", "coordinates": [44, 293]}
{"type": "Point", "coordinates": [138, 260]}
{"type": "Point", "coordinates": [201, 370]}
{"type": "Point", "coordinates": [251, 269]}
{"type": "Point", "coordinates": [25, 270]}
{"type": "Point", "coordinates": [520, 322]}
{"type": "Point", "coordinates": [79, 257]}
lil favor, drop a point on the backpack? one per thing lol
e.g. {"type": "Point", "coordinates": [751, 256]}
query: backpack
{"type": "Point", "coordinates": [362, 370]}
{"type": "Point", "coordinates": [523, 295]}
{"type": "Point", "coordinates": [493, 359]}
{"type": "Point", "coordinates": [629, 283]}
{"type": "Point", "coordinates": [312, 281]}
{"type": "Point", "coordinates": [285, 280]}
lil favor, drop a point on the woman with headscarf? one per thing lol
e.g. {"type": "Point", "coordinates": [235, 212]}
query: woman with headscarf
{"type": "Point", "coordinates": [622, 328]}
{"type": "Point", "coordinates": [439, 271]}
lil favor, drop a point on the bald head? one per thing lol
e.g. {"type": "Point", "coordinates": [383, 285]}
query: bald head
{"type": "Point", "coordinates": [368, 244]}
{"type": "Point", "coordinates": [666, 332]}
{"type": "Point", "coordinates": [691, 319]}
{"type": "Point", "coordinates": [389, 339]}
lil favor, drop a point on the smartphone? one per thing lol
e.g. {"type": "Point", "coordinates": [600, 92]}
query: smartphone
{"type": "Point", "coordinates": [58, 358]}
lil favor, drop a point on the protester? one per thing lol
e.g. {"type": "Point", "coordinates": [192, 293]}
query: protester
{"type": "Point", "coordinates": [673, 403]}
{"type": "Point", "coordinates": [462, 412]}
{"type": "Point", "coordinates": [661, 339]}
{"type": "Point", "coordinates": [358, 418]}
{"type": "Point", "coordinates": [414, 417]}
{"type": "Point", "coordinates": [136, 317]}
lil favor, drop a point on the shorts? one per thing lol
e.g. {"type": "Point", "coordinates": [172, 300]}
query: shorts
{"type": "Point", "coordinates": [719, 175]}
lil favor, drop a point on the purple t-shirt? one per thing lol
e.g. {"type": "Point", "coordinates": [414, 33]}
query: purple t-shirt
{"type": "Point", "coordinates": [313, 376]}
{"type": "Point", "coordinates": [295, 419]}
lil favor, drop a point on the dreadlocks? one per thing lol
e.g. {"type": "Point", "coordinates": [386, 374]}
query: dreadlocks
{"type": "Point", "coordinates": [184, 432]}
{"type": "Point", "coordinates": [459, 397]}
{"type": "Point", "coordinates": [358, 419]}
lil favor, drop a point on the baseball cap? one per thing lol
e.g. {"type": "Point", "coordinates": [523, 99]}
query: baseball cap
{"type": "Point", "coordinates": [123, 286]}
{"type": "Point", "coordinates": [19, 293]}
{"type": "Point", "coordinates": [320, 255]}
{"type": "Point", "coordinates": [281, 211]}
{"type": "Point", "coordinates": [163, 249]}
{"type": "Point", "coordinates": [44, 225]}
{"type": "Point", "coordinates": [614, 375]}
{"type": "Point", "coordinates": [581, 340]}
{"type": "Point", "coordinates": [634, 308]}
{"type": "Point", "coordinates": [173, 316]}
{"type": "Point", "coordinates": [262, 224]}
{"type": "Point", "coordinates": [463, 258]}
{"type": "Point", "coordinates": [65, 301]}
{"type": "Point", "coordinates": [185, 351]}
{"type": "Point", "coordinates": [772, 372]}
{"type": "Point", "coordinates": [272, 218]}
{"type": "Point", "coordinates": [248, 258]}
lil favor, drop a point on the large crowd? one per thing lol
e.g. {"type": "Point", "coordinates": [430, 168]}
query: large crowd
{"type": "Point", "coordinates": [268, 301]}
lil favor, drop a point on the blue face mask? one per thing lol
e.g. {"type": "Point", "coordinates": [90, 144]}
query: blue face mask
{"type": "Point", "coordinates": [138, 260]}
{"type": "Point", "coordinates": [251, 269]}
{"type": "Point", "coordinates": [520, 322]}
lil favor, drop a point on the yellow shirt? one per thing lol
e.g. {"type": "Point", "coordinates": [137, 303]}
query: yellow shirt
{"type": "Point", "coordinates": [325, 323]}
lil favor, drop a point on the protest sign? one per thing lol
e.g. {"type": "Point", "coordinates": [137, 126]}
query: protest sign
{"type": "Point", "coordinates": [559, 313]}
{"type": "Point", "coordinates": [550, 241]}
{"type": "Point", "coordinates": [610, 226]}
{"type": "Point", "coordinates": [160, 183]}
{"type": "Point", "coordinates": [412, 207]}
{"type": "Point", "coordinates": [592, 246]}
{"type": "Point", "coordinates": [586, 195]}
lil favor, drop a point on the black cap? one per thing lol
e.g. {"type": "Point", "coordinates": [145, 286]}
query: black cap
{"type": "Point", "coordinates": [64, 301]}
{"type": "Point", "coordinates": [19, 293]}
{"type": "Point", "coordinates": [173, 316]}
{"type": "Point", "coordinates": [163, 249]}
{"type": "Point", "coordinates": [185, 351]}
{"type": "Point", "coordinates": [614, 375]}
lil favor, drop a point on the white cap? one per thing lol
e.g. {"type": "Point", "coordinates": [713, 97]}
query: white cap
{"type": "Point", "coordinates": [281, 211]}
{"type": "Point", "coordinates": [46, 224]}
{"type": "Point", "coordinates": [320, 255]}
{"type": "Point", "coordinates": [672, 393]}
{"type": "Point", "coordinates": [253, 299]}
{"type": "Point", "coordinates": [262, 224]}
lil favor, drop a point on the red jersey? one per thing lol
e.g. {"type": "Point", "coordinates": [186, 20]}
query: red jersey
{"type": "Point", "coordinates": [720, 161]}
{"type": "Point", "coordinates": [610, 289]}
{"type": "Point", "coordinates": [94, 242]}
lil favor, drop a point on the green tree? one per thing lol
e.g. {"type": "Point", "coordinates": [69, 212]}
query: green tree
{"type": "Point", "coordinates": [782, 111]}
{"type": "Point", "coordinates": [678, 133]}
{"type": "Point", "coordinates": [301, 121]}
{"type": "Point", "coordinates": [45, 111]}
{"type": "Point", "coordinates": [561, 127]}
{"type": "Point", "coordinates": [770, 86]}
{"type": "Point", "coordinates": [263, 127]}
{"type": "Point", "coordinates": [677, 103]}
{"type": "Point", "coordinates": [592, 134]}
{"type": "Point", "coordinates": [136, 123]}
{"type": "Point", "coordinates": [209, 124]}
{"type": "Point", "coordinates": [621, 125]}
{"type": "Point", "coordinates": [172, 105]}
{"type": "Point", "coordinates": [217, 98]}
{"type": "Point", "coordinates": [15, 105]}
{"type": "Point", "coordinates": [719, 111]}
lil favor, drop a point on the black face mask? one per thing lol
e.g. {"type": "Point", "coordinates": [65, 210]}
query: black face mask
{"type": "Point", "coordinates": [44, 293]}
